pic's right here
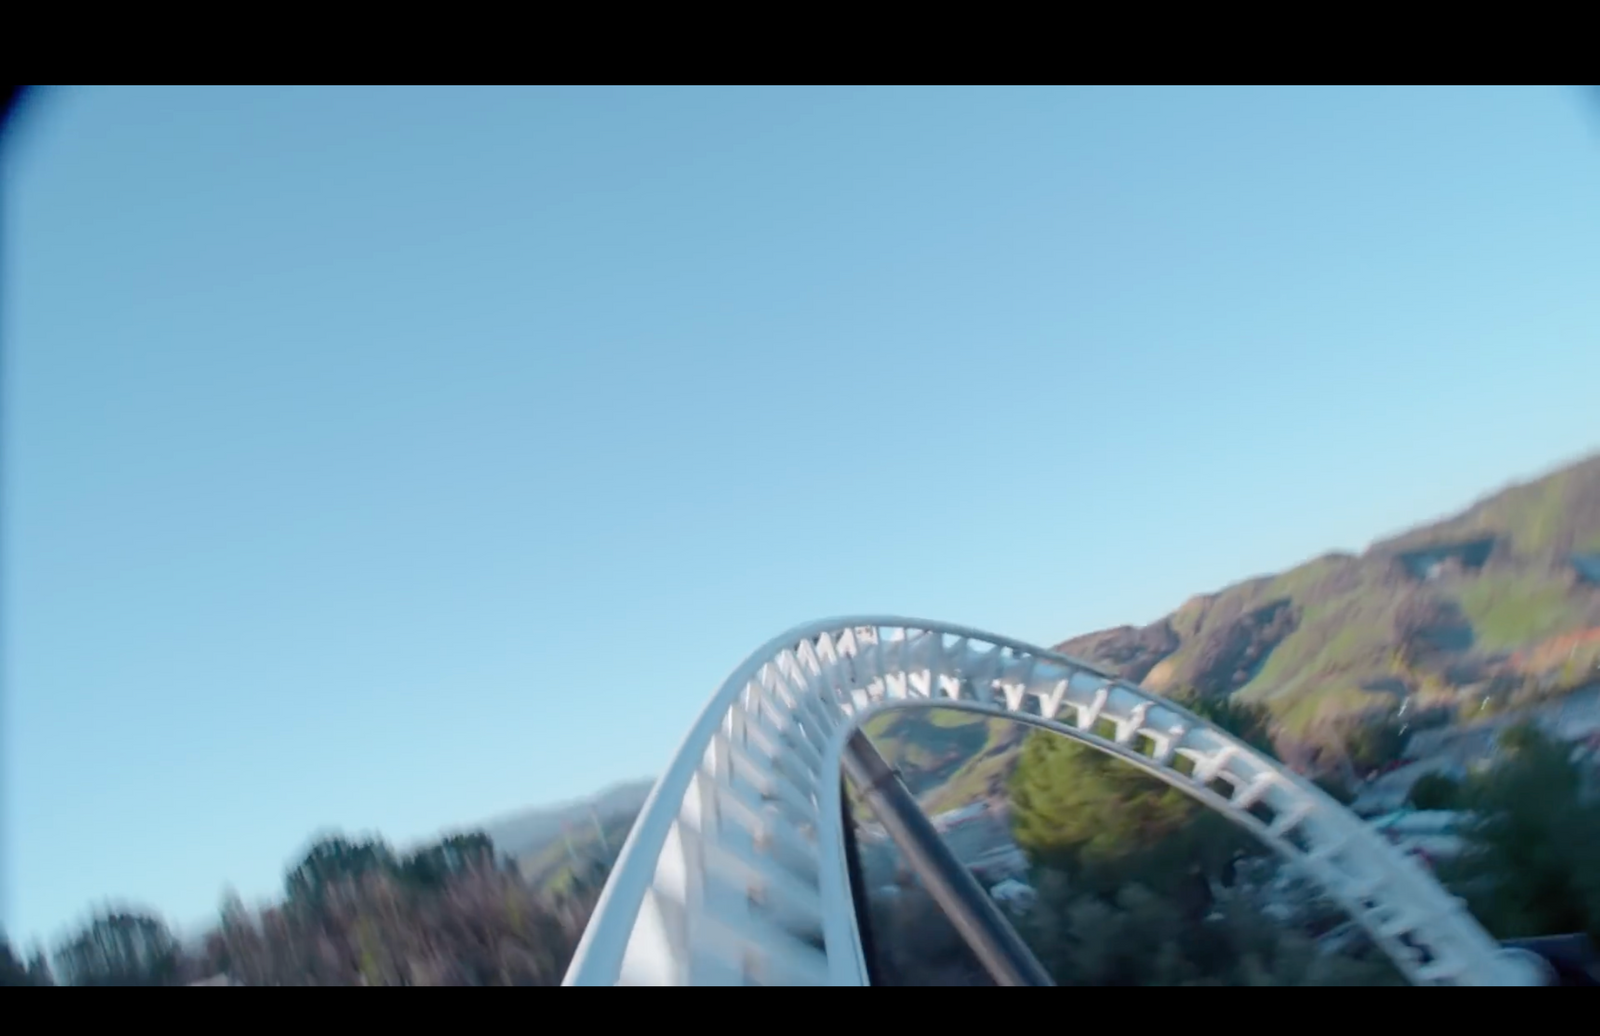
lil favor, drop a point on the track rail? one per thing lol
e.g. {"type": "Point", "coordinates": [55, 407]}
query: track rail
{"type": "Point", "coordinates": [736, 871]}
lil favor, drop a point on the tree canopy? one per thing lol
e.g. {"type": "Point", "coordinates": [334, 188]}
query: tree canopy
{"type": "Point", "coordinates": [12, 970]}
{"type": "Point", "coordinates": [1247, 721]}
{"type": "Point", "coordinates": [121, 946]}
{"type": "Point", "coordinates": [1135, 936]}
{"type": "Point", "coordinates": [356, 913]}
{"type": "Point", "coordinates": [1139, 883]}
{"type": "Point", "coordinates": [1435, 791]}
{"type": "Point", "coordinates": [432, 865]}
{"type": "Point", "coordinates": [1085, 812]}
{"type": "Point", "coordinates": [333, 859]}
{"type": "Point", "coordinates": [1532, 862]}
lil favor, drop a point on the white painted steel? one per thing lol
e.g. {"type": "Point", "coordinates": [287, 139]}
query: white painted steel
{"type": "Point", "coordinates": [735, 872]}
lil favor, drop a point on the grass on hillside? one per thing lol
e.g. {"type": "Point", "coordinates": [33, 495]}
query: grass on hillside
{"type": "Point", "coordinates": [1512, 610]}
{"type": "Point", "coordinates": [973, 781]}
{"type": "Point", "coordinates": [1298, 715]}
{"type": "Point", "coordinates": [924, 740]}
{"type": "Point", "coordinates": [550, 868]}
{"type": "Point", "coordinates": [1347, 638]}
{"type": "Point", "coordinates": [971, 760]}
{"type": "Point", "coordinates": [1344, 632]}
{"type": "Point", "coordinates": [884, 723]}
{"type": "Point", "coordinates": [1346, 635]}
{"type": "Point", "coordinates": [1532, 517]}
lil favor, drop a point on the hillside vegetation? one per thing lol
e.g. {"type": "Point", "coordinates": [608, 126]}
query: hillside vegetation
{"type": "Point", "coordinates": [583, 857]}
{"type": "Point", "coordinates": [1499, 602]}
{"type": "Point", "coordinates": [354, 912]}
{"type": "Point", "coordinates": [532, 832]}
{"type": "Point", "coordinates": [946, 757]}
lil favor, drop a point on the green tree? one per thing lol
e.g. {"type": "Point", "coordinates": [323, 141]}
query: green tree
{"type": "Point", "coordinates": [121, 947]}
{"type": "Point", "coordinates": [1374, 744]}
{"type": "Point", "coordinates": [1133, 936]}
{"type": "Point", "coordinates": [39, 973]}
{"type": "Point", "coordinates": [334, 859]}
{"type": "Point", "coordinates": [1435, 791]}
{"type": "Point", "coordinates": [1532, 862]}
{"type": "Point", "coordinates": [1249, 722]}
{"type": "Point", "coordinates": [12, 970]}
{"type": "Point", "coordinates": [1103, 821]}
{"type": "Point", "coordinates": [431, 866]}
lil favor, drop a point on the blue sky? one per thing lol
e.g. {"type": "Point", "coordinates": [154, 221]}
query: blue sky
{"type": "Point", "coordinates": [392, 459]}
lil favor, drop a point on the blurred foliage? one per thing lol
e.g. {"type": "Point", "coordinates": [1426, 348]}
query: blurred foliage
{"type": "Point", "coordinates": [1138, 884]}
{"type": "Point", "coordinates": [913, 944]}
{"type": "Point", "coordinates": [12, 971]}
{"type": "Point", "coordinates": [1249, 722]}
{"type": "Point", "coordinates": [1532, 862]}
{"type": "Point", "coordinates": [1372, 744]}
{"type": "Point", "coordinates": [355, 913]}
{"type": "Point", "coordinates": [121, 947]}
{"type": "Point", "coordinates": [1086, 813]}
{"type": "Point", "coordinates": [333, 859]}
{"type": "Point", "coordinates": [1436, 791]}
{"type": "Point", "coordinates": [1336, 789]}
{"type": "Point", "coordinates": [1134, 936]}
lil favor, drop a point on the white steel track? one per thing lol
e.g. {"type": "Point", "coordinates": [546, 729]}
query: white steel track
{"type": "Point", "coordinates": [735, 872]}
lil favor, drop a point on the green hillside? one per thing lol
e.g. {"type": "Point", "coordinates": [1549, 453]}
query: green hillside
{"type": "Point", "coordinates": [1492, 602]}
{"type": "Point", "coordinates": [947, 757]}
{"type": "Point", "coordinates": [551, 868]}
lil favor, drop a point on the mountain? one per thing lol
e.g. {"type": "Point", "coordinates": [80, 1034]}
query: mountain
{"type": "Point", "coordinates": [1500, 600]}
{"type": "Point", "coordinates": [947, 758]}
{"type": "Point", "coordinates": [583, 857]}
{"type": "Point", "coordinates": [532, 832]}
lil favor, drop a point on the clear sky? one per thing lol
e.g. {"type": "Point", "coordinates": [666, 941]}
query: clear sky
{"type": "Point", "coordinates": [393, 459]}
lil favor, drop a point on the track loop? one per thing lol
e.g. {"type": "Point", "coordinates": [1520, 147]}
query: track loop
{"type": "Point", "coordinates": [734, 873]}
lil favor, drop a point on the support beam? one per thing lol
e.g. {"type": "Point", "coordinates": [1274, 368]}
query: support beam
{"type": "Point", "coordinates": [970, 909]}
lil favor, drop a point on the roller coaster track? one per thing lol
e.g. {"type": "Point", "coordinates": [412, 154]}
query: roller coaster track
{"type": "Point", "coordinates": [736, 871]}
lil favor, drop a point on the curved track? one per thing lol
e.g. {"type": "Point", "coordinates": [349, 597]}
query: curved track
{"type": "Point", "coordinates": [735, 872]}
